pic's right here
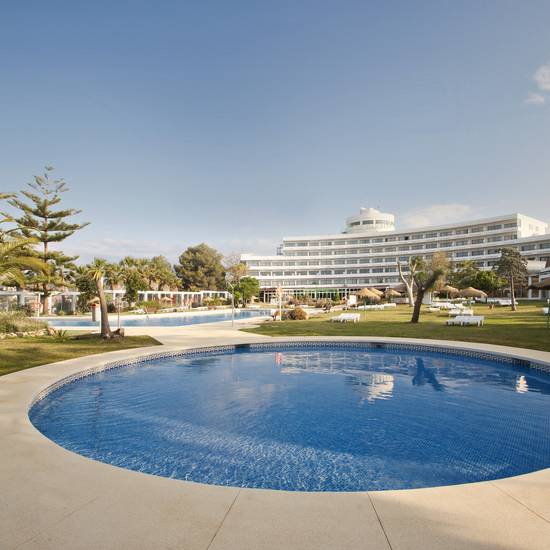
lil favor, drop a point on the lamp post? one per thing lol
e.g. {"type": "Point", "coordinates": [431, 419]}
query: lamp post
{"type": "Point", "coordinates": [232, 287]}
{"type": "Point", "coordinates": [548, 313]}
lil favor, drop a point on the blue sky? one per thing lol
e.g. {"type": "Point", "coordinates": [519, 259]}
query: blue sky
{"type": "Point", "coordinates": [236, 123]}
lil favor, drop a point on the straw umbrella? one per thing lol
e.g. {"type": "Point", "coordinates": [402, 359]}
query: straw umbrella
{"type": "Point", "coordinates": [368, 293]}
{"type": "Point", "coordinates": [391, 293]}
{"type": "Point", "coordinates": [449, 290]}
{"type": "Point", "coordinates": [379, 293]}
{"type": "Point", "coordinates": [472, 292]}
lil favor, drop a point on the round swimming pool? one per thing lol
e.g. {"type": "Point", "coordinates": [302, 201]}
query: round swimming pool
{"type": "Point", "coordinates": [315, 417]}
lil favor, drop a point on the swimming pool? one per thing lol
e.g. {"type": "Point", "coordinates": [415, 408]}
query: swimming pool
{"type": "Point", "coordinates": [309, 417]}
{"type": "Point", "coordinates": [163, 320]}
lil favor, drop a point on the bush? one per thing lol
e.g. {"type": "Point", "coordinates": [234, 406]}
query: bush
{"type": "Point", "coordinates": [296, 314]}
{"type": "Point", "coordinates": [18, 322]}
{"type": "Point", "coordinates": [152, 306]}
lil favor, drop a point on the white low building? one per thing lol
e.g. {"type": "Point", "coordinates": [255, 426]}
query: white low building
{"type": "Point", "coordinates": [366, 253]}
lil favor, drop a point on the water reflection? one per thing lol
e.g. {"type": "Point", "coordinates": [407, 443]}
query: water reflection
{"type": "Point", "coordinates": [425, 375]}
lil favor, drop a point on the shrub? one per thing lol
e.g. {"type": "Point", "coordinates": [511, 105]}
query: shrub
{"type": "Point", "coordinates": [18, 322]}
{"type": "Point", "coordinates": [152, 306]}
{"type": "Point", "coordinates": [296, 314]}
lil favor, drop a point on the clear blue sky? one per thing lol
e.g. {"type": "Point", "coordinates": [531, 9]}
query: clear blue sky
{"type": "Point", "coordinates": [236, 123]}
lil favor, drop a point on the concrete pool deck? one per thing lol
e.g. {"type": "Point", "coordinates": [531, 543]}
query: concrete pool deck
{"type": "Point", "coordinates": [52, 498]}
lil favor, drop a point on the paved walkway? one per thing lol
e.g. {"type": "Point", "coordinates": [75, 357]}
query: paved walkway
{"type": "Point", "coordinates": [54, 499]}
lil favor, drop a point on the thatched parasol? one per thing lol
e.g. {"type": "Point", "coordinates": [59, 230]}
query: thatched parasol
{"type": "Point", "coordinates": [368, 293]}
{"type": "Point", "coordinates": [391, 293]}
{"type": "Point", "coordinates": [379, 293]}
{"type": "Point", "coordinates": [448, 289]}
{"type": "Point", "coordinates": [472, 292]}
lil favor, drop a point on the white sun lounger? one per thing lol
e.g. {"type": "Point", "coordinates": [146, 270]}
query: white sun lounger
{"type": "Point", "coordinates": [454, 312]}
{"type": "Point", "coordinates": [346, 318]}
{"type": "Point", "coordinates": [463, 320]}
{"type": "Point", "coordinates": [545, 311]}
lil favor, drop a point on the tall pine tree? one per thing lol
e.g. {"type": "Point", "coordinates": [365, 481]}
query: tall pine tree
{"type": "Point", "coordinates": [46, 224]}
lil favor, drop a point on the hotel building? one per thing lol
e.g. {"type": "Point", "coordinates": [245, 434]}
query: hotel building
{"type": "Point", "coordinates": [366, 253]}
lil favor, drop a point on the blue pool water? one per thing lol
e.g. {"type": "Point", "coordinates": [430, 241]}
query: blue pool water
{"type": "Point", "coordinates": [309, 418]}
{"type": "Point", "coordinates": [163, 321]}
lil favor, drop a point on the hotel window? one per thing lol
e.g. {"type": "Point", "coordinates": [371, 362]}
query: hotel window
{"type": "Point", "coordinates": [326, 272]}
{"type": "Point", "coordinates": [351, 271]}
{"type": "Point", "coordinates": [528, 247]}
{"type": "Point", "coordinates": [494, 227]}
{"type": "Point", "coordinates": [389, 270]}
{"type": "Point", "coordinates": [461, 254]}
{"type": "Point", "coordinates": [365, 270]}
{"type": "Point", "coordinates": [461, 243]}
{"type": "Point", "coordinates": [417, 246]}
{"type": "Point", "coordinates": [544, 245]}
{"type": "Point", "coordinates": [404, 247]}
{"type": "Point", "coordinates": [461, 232]}
{"type": "Point", "coordinates": [364, 241]}
{"type": "Point", "coordinates": [378, 240]}
{"type": "Point", "coordinates": [478, 252]}
{"type": "Point", "coordinates": [338, 272]}
{"type": "Point", "coordinates": [390, 249]}
{"type": "Point", "coordinates": [444, 233]}
{"type": "Point", "coordinates": [512, 224]}
{"type": "Point", "coordinates": [326, 243]}
{"type": "Point", "coordinates": [431, 235]}
{"type": "Point", "coordinates": [478, 241]}
{"type": "Point", "coordinates": [494, 239]}
{"type": "Point", "coordinates": [404, 238]}
{"type": "Point", "coordinates": [477, 229]}
{"type": "Point", "coordinates": [431, 245]}
{"type": "Point", "coordinates": [353, 261]}
{"type": "Point", "coordinates": [377, 270]}
{"type": "Point", "coordinates": [389, 260]}
{"type": "Point", "coordinates": [351, 242]}
{"type": "Point", "coordinates": [493, 251]}
{"type": "Point", "coordinates": [417, 236]}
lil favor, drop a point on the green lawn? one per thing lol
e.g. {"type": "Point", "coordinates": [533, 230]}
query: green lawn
{"type": "Point", "coordinates": [22, 353]}
{"type": "Point", "coordinates": [525, 328]}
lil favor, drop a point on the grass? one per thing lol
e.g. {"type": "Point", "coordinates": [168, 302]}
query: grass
{"type": "Point", "coordinates": [23, 353]}
{"type": "Point", "coordinates": [525, 328]}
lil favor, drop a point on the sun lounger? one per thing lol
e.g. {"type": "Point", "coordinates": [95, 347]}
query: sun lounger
{"type": "Point", "coordinates": [473, 320]}
{"type": "Point", "coordinates": [545, 310]}
{"type": "Point", "coordinates": [463, 320]}
{"type": "Point", "coordinates": [434, 309]}
{"type": "Point", "coordinates": [460, 311]}
{"type": "Point", "coordinates": [346, 318]}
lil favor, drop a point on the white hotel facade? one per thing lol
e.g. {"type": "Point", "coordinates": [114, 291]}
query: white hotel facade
{"type": "Point", "coordinates": [366, 253]}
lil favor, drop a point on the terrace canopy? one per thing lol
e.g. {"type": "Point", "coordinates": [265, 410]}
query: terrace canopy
{"type": "Point", "coordinates": [542, 285]}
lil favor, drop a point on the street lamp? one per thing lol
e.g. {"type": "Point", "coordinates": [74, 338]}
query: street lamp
{"type": "Point", "coordinates": [232, 287]}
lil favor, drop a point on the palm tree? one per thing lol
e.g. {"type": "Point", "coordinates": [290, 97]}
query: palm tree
{"type": "Point", "coordinates": [97, 270]}
{"type": "Point", "coordinates": [115, 275]}
{"type": "Point", "coordinates": [15, 260]}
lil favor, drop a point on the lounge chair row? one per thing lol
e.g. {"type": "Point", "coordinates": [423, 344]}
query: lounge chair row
{"type": "Point", "coordinates": [377, 307]}
{"type": "Point", "coordinates": [463, 320]}
{"type": "Point", "coordinates": [346, 318]}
